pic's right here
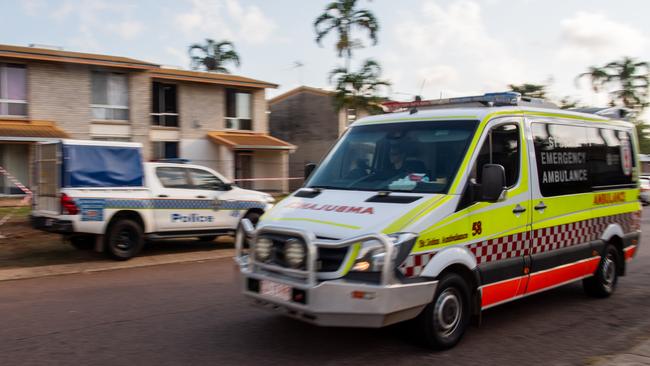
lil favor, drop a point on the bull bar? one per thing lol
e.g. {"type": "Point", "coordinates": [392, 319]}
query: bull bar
{"type": "Point", "coordinates": [330, 302]}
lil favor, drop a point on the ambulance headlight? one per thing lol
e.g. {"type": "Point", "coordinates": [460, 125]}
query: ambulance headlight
{"type": "Point", "coordinates": [294, 253]}
{"type": "Point", "coordinates": [372, 256]}
{"type": "Point", "coordinates": [263, 248]}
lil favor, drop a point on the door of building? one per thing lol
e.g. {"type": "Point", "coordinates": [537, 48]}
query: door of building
{"type": "Point", "coordinates": [244, 168]}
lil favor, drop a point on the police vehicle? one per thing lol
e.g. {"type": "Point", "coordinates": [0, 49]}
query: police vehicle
{"type": "Point", "coordinates": [100, 194]}
{"type": "Point", "coordinates": [446, 208]}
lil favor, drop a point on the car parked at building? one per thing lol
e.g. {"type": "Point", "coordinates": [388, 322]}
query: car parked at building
{"type": "Point", "coordinates": [101, 194]}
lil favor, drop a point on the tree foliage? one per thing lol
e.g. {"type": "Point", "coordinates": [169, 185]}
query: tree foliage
{"type": "Point", "coordinates": [358, 90]}
{"type": "Point", "coordinates": [627, 79]}
{"type": "Point", "coordinates": [342, 17]}
{"type": "Point", "coordinates": [529, 90]}
{"type": "Point", "coordinates": [213, 56]}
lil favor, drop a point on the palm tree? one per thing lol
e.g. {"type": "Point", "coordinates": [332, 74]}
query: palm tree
{"type": "Point", "coordinates": [358, 90]}
{"type": "Point", "coordinates": [631, 79]}
{"type": "Point", "coordinates": [212, 56]}
{"type": "Point", "coordinates": [342, 16]}
{"type": "Point", "coordinates": [529, 90]}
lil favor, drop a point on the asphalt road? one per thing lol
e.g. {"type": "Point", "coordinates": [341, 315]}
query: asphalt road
{"type": "Point", "coordinates": [192, 313]}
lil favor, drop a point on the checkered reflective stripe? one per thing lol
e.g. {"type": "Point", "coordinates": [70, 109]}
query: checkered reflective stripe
{"type": "Point", "coordinates": [133, 204]}
{"type": "Point", "coordinates": [414, 264]}
{"type": "Point", "coordinates": [177, 203]}
{"type": "Point", "coordinates": [504, 247]}
{"type": "Point", "coordinates": [562, 236]}
{"type": "Point", "coordinates": [238, 205]}
{"type": "Point", "coordinates": [543, 240]}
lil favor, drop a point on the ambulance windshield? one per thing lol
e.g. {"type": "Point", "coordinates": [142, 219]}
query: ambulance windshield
{"type": "Point", "coordinates": [418, 157]}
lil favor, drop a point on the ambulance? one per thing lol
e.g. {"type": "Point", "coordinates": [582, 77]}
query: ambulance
{"type": "Point", "coordinates": [445, 208]}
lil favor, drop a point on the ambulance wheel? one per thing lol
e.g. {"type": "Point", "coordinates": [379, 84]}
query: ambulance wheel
{"type": "Point", "coordinates": [603, 282]}
{"type": "Point", "coordinates": [443, 322]}
{"type": "Point", "coordinates": [124, 240]}
{"type": "Point", "coordinates": [82, 242]}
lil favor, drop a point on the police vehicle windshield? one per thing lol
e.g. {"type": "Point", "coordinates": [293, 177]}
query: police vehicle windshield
{"type": "Point", "coordinates": [418, 157]}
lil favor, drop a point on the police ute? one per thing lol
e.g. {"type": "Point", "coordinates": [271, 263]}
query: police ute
{"type": "Point", "coordinates": [444, 208]}
{"type": "Point", "coordinates": [100, 194]}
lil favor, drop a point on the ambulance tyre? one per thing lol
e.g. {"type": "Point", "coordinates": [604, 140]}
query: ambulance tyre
{"type": "Point", "coordinates": [125, 239]}
{"type": "Point", "coordinates": [603, 282]}
{"type": "Point", "coordinates": [443, 322]}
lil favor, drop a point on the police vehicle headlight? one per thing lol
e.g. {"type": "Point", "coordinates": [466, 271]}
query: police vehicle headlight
{"type": "Point", "coordinates": [294, 253]}
{"type": "Point", "coordinates": [372, 256]}
{"type": "Point", "coordinates": [268, 198]}
{"type": "Point", "coordinates": [263, 247]}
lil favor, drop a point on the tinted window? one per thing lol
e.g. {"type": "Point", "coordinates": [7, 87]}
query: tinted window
{"type": "Point", "coordinates": [610, 157]}
{"type": "Point", "coordinates": [501, 146]}
{"type": "Point", "coordinates": [172, 177]}
{"type": "Point", "coordinates": [202, 179]}
{"type": "Point", "coordinates": [411, 156]}
{"type": "Point", "coordinates": [561, 154]}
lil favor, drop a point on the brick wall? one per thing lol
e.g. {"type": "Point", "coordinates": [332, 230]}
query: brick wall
{"type": "Point", "coordinates": [140, 109]}
{"type": "Point", "coordinates": [61, 93]}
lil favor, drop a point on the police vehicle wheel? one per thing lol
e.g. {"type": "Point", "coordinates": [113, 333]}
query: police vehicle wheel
{"type": "Point", "coordinates": [443, 322]}
{"type": "Point", "coordinates": [124, 240]}
{"type": "Point", "coordinates": [603, 282]}
{"type": "Point", "coordinates": [82, 242]}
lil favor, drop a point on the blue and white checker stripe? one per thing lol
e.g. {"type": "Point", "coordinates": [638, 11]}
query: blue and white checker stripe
{"type": "Point", "coordinates": [238, 205]}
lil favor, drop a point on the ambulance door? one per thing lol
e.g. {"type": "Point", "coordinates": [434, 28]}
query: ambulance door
{"type": "Point", "coordinates": [561, 203]}
{"type": "Point", "coordinates": [502, 228]}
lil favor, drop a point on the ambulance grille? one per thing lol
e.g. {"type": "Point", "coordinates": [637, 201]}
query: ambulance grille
{"type": "Point", "coordinates": [330, 259]}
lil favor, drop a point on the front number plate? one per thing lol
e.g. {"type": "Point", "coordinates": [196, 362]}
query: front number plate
{"type": "Point", "coordinates": [274, 289]}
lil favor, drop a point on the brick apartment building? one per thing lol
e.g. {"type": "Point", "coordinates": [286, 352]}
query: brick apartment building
{"type": "Point", "coordinates": [306, 116]}
{"type": "Point", "coordinates": [216, 120]}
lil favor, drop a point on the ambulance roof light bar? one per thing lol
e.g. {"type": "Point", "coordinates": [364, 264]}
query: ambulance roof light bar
{"type": "Point", "coordinates": [486, 100]}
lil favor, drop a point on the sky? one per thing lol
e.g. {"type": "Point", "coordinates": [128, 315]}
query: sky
{"type": "Point", "coordinates": [431, 48]}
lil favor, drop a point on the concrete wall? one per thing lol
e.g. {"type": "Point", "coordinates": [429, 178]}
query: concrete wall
{"type": "Point", "coordinates": [308, 121]}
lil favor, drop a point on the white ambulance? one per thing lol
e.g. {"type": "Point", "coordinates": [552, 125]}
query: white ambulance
{"type": "Point", "coordinates": [447, 208]}
{"type": "Point", "coordinates": [101, 194]}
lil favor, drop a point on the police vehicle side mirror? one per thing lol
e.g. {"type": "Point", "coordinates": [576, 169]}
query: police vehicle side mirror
{"type": "Point", "coordinates": [493, 182]}
{"type": "Point", "coordinates": [225, 186]}
{"type": "Point", "coordinates": [309, 168]}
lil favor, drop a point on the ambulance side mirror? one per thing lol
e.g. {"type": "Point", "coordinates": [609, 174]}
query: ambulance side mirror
{"type": "Point", "coordinates": [309, 168]}
{"type": "Point", "coordinates": [493, 182]}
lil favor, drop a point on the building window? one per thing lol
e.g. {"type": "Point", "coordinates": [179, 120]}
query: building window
{"type": "Point", "coordinates": [164, 111]}
{"type": "Point", "coordinates": [165, 150]}
{"type": "Point", "coordinates": [110, 99]}
{"type": "Point", "coordinates": [13, 90]}
{"type": "Point", "coordinates": [238, 110]}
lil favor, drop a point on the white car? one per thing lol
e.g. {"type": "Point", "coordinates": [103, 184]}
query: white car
{"type": "Point", "coordinates": [100, 193]}
{"type": "Point", "coordinates": [644, 194]}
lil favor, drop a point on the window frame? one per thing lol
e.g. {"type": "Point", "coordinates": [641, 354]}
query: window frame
{"type": "Point", "coordinates": [154, 150]}
{"type": "Point", "coordinates": [5, 101]}
{"type": "Point", "coordinates": [194, 184]}
{"type": "Point", "coordinates": [110, 107]}
{"type": "Point", "coordinates": [161, 98]}
{"type": "Point", "coordinates": [235, 122]}
{"type": "Point", "coordinates": [188, 181]}
{"type": "Point", "coordinates": [488, 137]}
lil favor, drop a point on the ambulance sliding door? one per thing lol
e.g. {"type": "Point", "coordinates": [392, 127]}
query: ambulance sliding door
{"type": "Point", "coordinates": [561, 203]}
